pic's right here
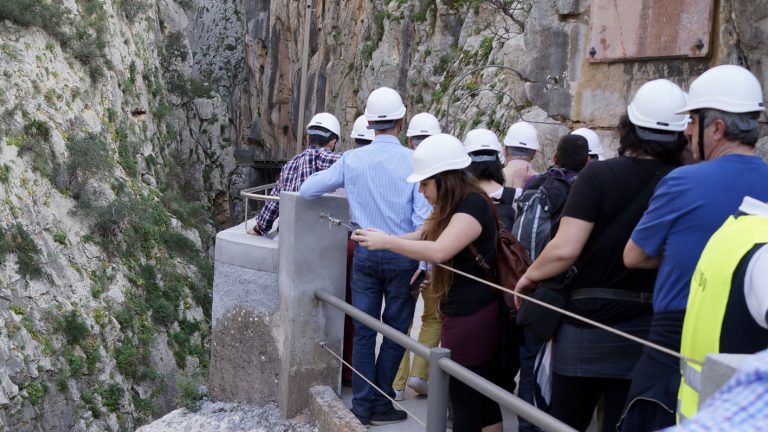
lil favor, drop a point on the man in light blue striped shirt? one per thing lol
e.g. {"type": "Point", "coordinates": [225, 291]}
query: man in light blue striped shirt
{"type": "Point", "coordinates": [374, 179]}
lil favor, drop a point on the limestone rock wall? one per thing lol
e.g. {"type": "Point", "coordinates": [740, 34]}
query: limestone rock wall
{"type": "Point", "coordinates": [427, 49]}
{"type": "Point", "coordinates": [114, 167]}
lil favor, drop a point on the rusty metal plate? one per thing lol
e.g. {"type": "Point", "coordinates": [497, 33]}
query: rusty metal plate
{"type": "Point", "coordinates": [638, 29]}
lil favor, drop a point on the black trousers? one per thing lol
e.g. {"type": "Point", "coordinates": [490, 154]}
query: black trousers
{"type": "Point", "coordinates": [472, 411]}
{"type": "Point", "coordinates": [574, 400]}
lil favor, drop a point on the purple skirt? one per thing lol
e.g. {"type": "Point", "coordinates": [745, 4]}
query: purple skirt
{"type": "Point", "coordinates": [473, 339]}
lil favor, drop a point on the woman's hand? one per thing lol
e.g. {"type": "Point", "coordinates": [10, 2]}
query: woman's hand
{"type": "Point", "coordinates": [371, 238]}
{"type": "Point", "coordinates": [524, 286]}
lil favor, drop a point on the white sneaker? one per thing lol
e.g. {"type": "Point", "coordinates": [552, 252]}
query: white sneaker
{"type": "Point", "coordinates": [399, 395]}
{"type": "Point", "coordinates": [419, 385]}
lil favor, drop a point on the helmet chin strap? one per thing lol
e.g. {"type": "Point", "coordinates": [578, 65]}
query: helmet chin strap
{"type": "Point", "coordinates": [701, 135]}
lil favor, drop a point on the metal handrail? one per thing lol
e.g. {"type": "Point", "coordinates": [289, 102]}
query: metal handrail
{"type": "Point", "coordinates": [436, 409]}
{"type": "Point", "coordinates": [249, 194]}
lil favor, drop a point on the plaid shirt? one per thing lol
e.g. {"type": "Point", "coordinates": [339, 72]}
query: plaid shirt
{"type": "Point", "coordinates": [293, 174]}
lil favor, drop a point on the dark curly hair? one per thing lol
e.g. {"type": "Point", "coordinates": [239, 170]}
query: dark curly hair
{"type": "Point", "coordinates": [669, 152]}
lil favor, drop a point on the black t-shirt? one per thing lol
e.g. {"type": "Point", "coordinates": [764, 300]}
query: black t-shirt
{"type": "Point", "coordinates": [600, 194]}
{"type": "Point", "coordinates": [466, 296]}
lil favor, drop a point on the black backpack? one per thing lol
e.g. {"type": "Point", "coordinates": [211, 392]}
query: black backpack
{"type": "Point", "coordinates": [539, 209]}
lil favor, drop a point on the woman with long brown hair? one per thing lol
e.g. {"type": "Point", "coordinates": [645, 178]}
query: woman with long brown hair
{"type": "Point", "coordinates": [462, 215]}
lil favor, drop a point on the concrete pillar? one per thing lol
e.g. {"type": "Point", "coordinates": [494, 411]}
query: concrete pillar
{"type": "Point", "coordinates": [244, 348]}
{"type": "Point", "coordinates": [312, 257]}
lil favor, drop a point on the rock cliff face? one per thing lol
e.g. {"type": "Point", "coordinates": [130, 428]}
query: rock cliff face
{"type": "Point", "coordinates": [429, 50]}
{"type": "Point", "coordinates": [114, 165]}
{"type": "Point", "coordinates": [122, 121]}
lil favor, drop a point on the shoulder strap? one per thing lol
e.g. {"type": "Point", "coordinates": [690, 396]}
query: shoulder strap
{"type": "Point", "coordinates": [507, 195]}
{"type": "Point", "coordinates": [623, 218]}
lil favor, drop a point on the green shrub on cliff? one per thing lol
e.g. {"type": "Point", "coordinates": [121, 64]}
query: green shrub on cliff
{"type": "Point", "coordinates": [16, 240]}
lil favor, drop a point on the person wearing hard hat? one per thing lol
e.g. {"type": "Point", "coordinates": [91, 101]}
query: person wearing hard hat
{"type": "Point", "coordinates": [484, 148]}
{"type": "Point", "coordinates": [595, 149]}
{"type": "Point", "coordinates": [463, 216]}
{"type": "Point", "coordinates": [520, 146]}
{"type": "Point", "coordinates": [603, 206]}
{"type": "Point", "coordinates": [726, 310]}
{"type": "Point", "coordinates": [374, 177]}
{"type": "Point", "coordinates": [361, 135]}
{"type": "Point", "coordinates": [688, 206]}
{"type": "Point", "coordinates": [421, 126]}
{"type": "Point", "coordinates": [322, 135]}
{"type": "Point", "coordinates": [730, 281]}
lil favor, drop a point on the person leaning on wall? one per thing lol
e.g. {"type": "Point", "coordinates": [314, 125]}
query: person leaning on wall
{"type": "Point", "coordinates": [374, 177]}
{"type": "Point", "coordinates": [322, 135]}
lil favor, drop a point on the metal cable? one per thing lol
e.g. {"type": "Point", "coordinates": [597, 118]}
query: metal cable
{"type": "Point", "coordinates": [562, 311]}
{"type": "Point", "coordinates": [324, 346]}
{"type": "Point", "coordinates": [578, 317]}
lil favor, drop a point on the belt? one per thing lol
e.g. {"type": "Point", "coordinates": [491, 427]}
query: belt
{"type": "Point", "coordinates": [612, 294]}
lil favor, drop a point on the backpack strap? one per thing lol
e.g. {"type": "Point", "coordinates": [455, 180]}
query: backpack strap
{"type": "Point", "coordinates": [480, 260]}
{"type": "Point", "coordinates": [620, 221]}
{"type": "Point", "coordinates": [508, 195]}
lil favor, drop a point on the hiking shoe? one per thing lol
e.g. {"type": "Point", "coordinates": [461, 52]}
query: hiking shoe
{"type": "Point", "coordinates": [419, 385]}
{"type": "Point", "coordinates": [399, 395]}
{"type": "Point", "coordinates": [389, 416]}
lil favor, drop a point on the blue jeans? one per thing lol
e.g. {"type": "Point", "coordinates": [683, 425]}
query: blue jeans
{"type": "Point", "coordinates": [378, 275]}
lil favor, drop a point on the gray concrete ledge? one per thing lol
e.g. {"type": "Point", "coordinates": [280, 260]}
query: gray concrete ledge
{"type": "Point", "coordinates": [235, 286]}
{"type": "Point", "coordinates": [234, 246]}
{"type": "Point", "coordinates": [330, 414]}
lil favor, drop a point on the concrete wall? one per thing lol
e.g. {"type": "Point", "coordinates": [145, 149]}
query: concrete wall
{"type": "Point", "coordinates": [266, 320]}
{"type": "Point", "coordinates": [244, 349]}
{"type": "Point", "coordinates": [313, 257]}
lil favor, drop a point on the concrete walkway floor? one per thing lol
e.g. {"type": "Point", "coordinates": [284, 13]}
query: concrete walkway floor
{"type": "Point", "coordinates": [417, 405]}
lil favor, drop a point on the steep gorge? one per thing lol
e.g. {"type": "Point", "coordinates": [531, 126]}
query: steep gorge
{"type": "Point", "coordinates": [130, 126]}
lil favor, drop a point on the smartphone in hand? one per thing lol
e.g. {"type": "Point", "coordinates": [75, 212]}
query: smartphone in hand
{"type": "Point", "coordinates": [415, 286]}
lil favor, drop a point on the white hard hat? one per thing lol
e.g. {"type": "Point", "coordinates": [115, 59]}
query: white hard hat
{"type": "Point", "coordinates": [326, 121]}
{"type": "Point", "coordinates": [482, 139]}
{"type": "Point", "coordinates": [728, 88]}
{"type": "Point", "coordinates": [384, 104]}
{"type": "Point", "coordinates": [423, 124]}
{"type": "Point", "coordinates": [522, 134]}
{"type": "Point", "coordinates": [656, 105]}
{"type": "Point", "coordinates": [360, 129]}
{"type": "Point", "coordinates": [436, 154]}
{"type": "Point", "coordinates": [592, 139]}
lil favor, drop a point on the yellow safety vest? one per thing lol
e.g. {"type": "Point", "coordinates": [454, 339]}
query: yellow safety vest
{"type": "Point", "coordinates": [708, 300]}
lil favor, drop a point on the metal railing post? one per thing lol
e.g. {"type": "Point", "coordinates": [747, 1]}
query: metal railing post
{"type": "Point", "coordinates": [437, 401]}
{"type": "Point", "coordinates": [246, 215]}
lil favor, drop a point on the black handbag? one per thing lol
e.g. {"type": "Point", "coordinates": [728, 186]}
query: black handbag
{"type": "Point", "coordinates": [543, 321]}
{"type": "Point", "coordinates": [540, 320]}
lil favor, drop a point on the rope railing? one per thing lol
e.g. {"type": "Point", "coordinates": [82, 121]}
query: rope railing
{"type": "Point", "coordinates": [576, 316]}
{"type": "Point", "coordinates": [567, 313]}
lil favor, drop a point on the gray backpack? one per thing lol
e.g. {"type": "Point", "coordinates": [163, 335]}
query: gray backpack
{"type": "Point", "coordinates": [538, 210]}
